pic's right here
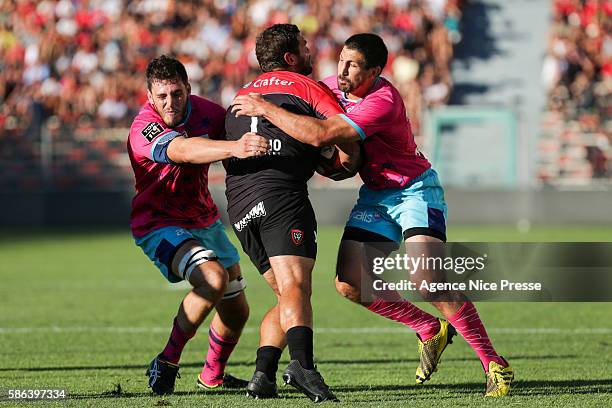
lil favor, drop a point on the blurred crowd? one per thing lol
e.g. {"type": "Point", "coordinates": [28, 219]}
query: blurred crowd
{"type": "Point", "coordinates": [577, 74]}
{"type": "Point", "coordinates": [81, 63]}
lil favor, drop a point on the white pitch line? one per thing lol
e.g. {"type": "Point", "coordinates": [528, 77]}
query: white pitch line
{"type": "Point", "coordinates": [318, 330]}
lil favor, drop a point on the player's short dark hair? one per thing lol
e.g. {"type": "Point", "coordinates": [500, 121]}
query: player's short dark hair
{"type": "Point", "coordinates": [273, 43]}
{"type": "Point", "coordinates": [165, 68]}
{"type": "Point", "coordinates": [371, 46]}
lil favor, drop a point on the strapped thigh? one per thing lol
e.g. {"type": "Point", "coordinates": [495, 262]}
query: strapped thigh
{"type": "Point", "coordinates": [192, 258]}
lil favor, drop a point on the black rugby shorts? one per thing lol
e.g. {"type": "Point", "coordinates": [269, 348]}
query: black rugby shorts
{"type": "Point", "coordinates": [279, 225]}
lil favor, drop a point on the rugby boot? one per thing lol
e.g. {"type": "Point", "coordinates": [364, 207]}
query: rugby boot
{"type": "Point", "coordinates": [260, 387]}
{"type": "Point", "coordinates": [499, 379]}
{"type": "Point", "coordinates": [310, 382]}
{"type": "Point", "coordinates": [431, 350]}
{"type": "Point", "coordinates": [162, 376]}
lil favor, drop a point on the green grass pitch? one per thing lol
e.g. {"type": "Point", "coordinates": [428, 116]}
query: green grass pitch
{"type": "Point", "coordinates": [86, 312]}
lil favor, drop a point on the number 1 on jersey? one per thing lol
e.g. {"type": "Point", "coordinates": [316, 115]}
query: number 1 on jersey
{"type": "Point", "coordinates": [275, 144]}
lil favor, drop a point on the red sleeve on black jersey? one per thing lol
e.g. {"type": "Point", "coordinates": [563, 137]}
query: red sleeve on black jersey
{"type": "Point", "coordinates": [323, 100]}
{"type": "Point", "coordinates": [320, 98]}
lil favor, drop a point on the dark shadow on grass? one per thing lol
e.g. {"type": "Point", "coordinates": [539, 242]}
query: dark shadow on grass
{"type": "Point", "coordinates": [446, 359]}
{"type": "Point", "coordinates": [398, 392]}
{"type": "Point", "coordinates": [144, 394]}
{"type": "Point", "coordinates": [524, 388]}
{"type": "Point", "coordinates": [251, 363]}
{"type": "Point", "coordinates": [287, 393]}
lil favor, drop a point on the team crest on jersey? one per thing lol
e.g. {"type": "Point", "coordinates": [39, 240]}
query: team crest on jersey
{"type": "Point", "coordinates": [151, 131]}
{"type": "Point", "coordinates": [297, 236]}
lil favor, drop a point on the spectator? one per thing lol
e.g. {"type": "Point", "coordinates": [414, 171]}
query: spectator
{"type": "Point", "coordinates": [577, 75]}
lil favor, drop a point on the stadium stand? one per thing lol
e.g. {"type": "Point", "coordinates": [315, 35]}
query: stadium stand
{"type": "Point", "coordinates": [576, 144]}
{"type": "Point", "coordinates": [71, 72]}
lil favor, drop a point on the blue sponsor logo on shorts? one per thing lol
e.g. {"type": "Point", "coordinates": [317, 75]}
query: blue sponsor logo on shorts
{"type": "Point", "coordinates": [365, 216]}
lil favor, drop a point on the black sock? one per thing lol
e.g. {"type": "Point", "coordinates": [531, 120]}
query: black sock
{"type": "Point", "coordinates": [267, 361]}
{"type": "Point", "coordinates": [299, 340]}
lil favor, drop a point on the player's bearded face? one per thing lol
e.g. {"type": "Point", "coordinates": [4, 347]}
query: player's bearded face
{"type": "Point", "coordinates": [304, 65]}
{"type": "Point", "coordinates": [352, 72]}
{"type": "Point", "coordinates": [170, 100]}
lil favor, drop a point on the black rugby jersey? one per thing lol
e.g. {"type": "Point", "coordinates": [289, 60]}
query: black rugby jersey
{"type": "Point", "coordinates": [289, 163]}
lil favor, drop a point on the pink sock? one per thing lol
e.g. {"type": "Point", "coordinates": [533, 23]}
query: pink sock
{"type": "Point", "coordinates": [468, 324]}
{"type": "Point", "coordinates": [408, 314]}
{"type": "Point", "coordinates": [219, 350]}
{"type": "Point", "coordinates": [176, 343]}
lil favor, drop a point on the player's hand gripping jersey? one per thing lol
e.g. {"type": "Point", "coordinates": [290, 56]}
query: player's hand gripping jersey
{"type": "Point", "coordinates": [289, 163]}
{"type": "Point", "coordinates": [168, 194]}
{"type": "Point", "coordinates": [392, 159]}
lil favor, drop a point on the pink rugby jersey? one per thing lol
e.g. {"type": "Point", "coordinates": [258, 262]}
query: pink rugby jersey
{"type": "Point", "coordinates": [168, 194]}
{"type": "Point", "coordinates": [392, 157]}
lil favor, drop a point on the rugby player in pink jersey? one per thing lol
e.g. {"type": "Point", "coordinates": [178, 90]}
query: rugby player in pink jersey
{"type": "Point", "coordinates": [401, 199]}
{"type": "Point", "coordinates": [176, 223]}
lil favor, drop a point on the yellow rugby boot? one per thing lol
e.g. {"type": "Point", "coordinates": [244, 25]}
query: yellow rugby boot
{"type": "Point", "coordinates": [499, 379]}
{"type": "Point", "coordinates": [431, 350]}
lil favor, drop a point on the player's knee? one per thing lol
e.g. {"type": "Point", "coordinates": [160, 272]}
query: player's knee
{"type": "Point", "coordinates": [235, 302]}
{"type": "Point", "coordinates": [347, 290]}
{"type": "Point", "coordinates": [217, 278]}
{"type": "Point", "coordinates": [194, 262]}
{"type": "Point", "coordinates": [294, 287]}
{"type": "Point", "coordinates": [212, 282]}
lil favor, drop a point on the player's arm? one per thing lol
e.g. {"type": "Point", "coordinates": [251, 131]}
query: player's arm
{"type": "Point", "coordinates": [306, 129]}
{"type": "Point", "coordinates": [200, 150]}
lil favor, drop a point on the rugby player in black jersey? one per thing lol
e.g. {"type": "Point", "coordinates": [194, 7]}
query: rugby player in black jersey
{"type": "Point", "coordinates": [271, 214]}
